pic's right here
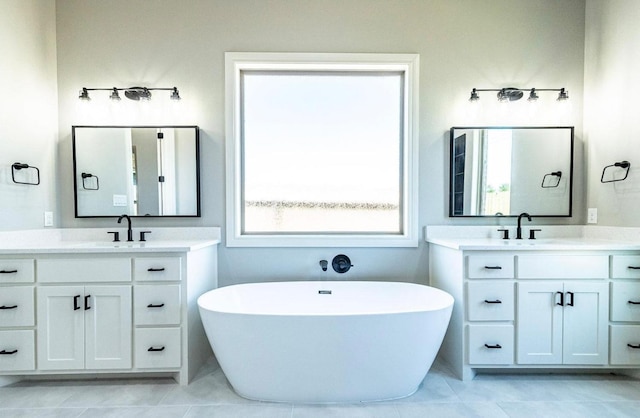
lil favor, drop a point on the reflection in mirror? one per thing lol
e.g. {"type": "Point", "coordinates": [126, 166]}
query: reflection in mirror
{"type": "Point", "coordinates": [504, 171]}
{"type": "Point", "coordinates": [138, 171]}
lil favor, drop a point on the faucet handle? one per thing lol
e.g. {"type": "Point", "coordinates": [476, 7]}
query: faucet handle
{"type": "Point", "coordinates": [532, 233]}
{"type": "Point", "coordinates": [142, 235]}
{"type": "Point", "coordinates": [505, 233]}
{"type": "Point", "coordinates": [116, 235]}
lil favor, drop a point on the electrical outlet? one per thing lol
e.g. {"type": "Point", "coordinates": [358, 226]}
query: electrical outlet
{"type": "Point", "coordinates": [592, 215]}
{"type": "Point", "coordinates": [48, 219]}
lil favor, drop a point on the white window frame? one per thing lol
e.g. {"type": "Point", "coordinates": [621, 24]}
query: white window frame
{"type": "Point", "coordinates": [236, 62]}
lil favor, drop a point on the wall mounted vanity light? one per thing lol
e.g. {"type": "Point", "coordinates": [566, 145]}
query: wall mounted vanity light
{"type": "Point", "coordinates": [15, 167]}
{"type": "Point", "coordinates": [511, 94]}
{"type": "Point", "coordinates": [132, 93]}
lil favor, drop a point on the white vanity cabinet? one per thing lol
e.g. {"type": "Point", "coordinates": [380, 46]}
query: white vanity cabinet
{"type": "Point", "coordinates": [524, 306]}
{"type": "Point", "coordinates": [624, 331]}
{"type": "Point", "coordinates": [17, 314]}
{"type": "Point", "coordinates": [113, 311]}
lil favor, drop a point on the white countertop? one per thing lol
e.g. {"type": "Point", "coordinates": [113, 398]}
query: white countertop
{"type": "Point", "coordinates": [565, 244]}
{"type": "Point", "coordinates": [566, 238]}
{"type": "Point", "coordinates": [96, 240]}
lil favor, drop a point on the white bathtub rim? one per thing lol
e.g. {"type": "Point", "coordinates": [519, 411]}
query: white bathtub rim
{"type": "Point", "coordinates": [446, 302]}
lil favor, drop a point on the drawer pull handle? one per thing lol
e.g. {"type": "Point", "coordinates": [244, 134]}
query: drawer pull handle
{"type": "Point", "coordinates": [561, 303]}
{"type": "Point", "coordinates": [493, 346]}
{"type": "Point", "coordinates": [637, 346]}
{"type": "Point", "coordinates": [8, 307]}
{"type": "Point", "coordinates": [155, 269]}
{"type": "Point", "coordinates": [634, 267]}
{"type": "Point", "coordinates": [493, 267]}
{"type": "Point", "coordinates": [86, 303]}
{"type": "Point", "coordinates": [76, 299]}
{"type": "Point", "coordinates": [151, 305]}
{"type": "Point", "coordinates": [493, 301]}
{"type": "Point", "coordinates": [156, 349]}
{"type": "Point", "coordinates": [633, 302]}
{"type": "Point", "coordinates": [3, 352]}
{"type": "Point", "coordinates": [8, 271]}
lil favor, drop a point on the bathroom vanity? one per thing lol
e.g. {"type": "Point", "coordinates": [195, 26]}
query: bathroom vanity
{"type": "Point", "coordinates": [558, 303]}
{"type": "Point", "coordinates": [73, 303]}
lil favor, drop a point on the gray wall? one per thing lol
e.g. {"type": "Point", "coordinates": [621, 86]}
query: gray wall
{"type": "Point", "coordinates": [28, 110]}
{"type": "Point", "coordinates": [612, 81]}
{"type": "Point", "coordinates": [462, 44]}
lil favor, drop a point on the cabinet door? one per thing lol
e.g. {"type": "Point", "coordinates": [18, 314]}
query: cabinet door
{"type": "Point", "coordinates": [586, 309]}
{"type": "Point", "coordinates": [108, 327]}
{"type": "Point", "coordinates": [60, 333]}
{"type": "Point", "coordinates": [539, 323]}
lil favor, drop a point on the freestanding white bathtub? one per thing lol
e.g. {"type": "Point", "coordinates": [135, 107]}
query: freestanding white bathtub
{"type": "Point", "coordinates": [321, 342]}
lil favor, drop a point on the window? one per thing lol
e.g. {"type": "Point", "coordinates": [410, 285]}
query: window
{"type": "Point", "coordinates": [320, 149]}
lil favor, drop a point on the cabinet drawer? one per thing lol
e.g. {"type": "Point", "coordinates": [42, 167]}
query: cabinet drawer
{"type": "Point", "coordinates": [490, 267]}
{"type": "Point", "coordinates": [16, 271]}
{"type": "Point", "coordinates": [563, 266]}
{"type": "Point", "coordinates": [625, 266]}
{"type": "Point", "coordinates": [17, 350]}
{"type": "Point", "coordinates": [625, 301]}
{"type": "Point", "coordinates": [17, 306]}
{"type": "Point", "coordinates": [157, 304]}
{"type": "Point", "coordinates": [623, 339]}
{"type": "Point", "coordinates": [157, 348]}
{"type": "Point", "coordinates": [490, 344]}
{"type": "Point", "coordinates": [75, 270]}
{"type": "Point", "coordinates": [490, 300]}
{"type": "Point", "coordinates": [157, 269]}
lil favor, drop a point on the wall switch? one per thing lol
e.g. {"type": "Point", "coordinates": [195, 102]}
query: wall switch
{"type": "Point", "coordinates": [48, 219]}
{"type": "Point", "coordinates": [592, 215]}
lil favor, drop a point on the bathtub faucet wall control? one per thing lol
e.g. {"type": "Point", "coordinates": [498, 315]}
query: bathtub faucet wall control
{"type": "Point", "coordinates": [341, 263]}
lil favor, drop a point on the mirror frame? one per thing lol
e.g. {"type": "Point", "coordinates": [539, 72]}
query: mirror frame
{"type": "Point", "coordinates": [451, 167]}
{"type": "Point", "coordinates": [197, 168]}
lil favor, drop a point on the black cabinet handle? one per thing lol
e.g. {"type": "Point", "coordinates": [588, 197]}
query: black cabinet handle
{"type": "Point", "coordinates": [572, 296]}
{"type": "Point", "coordinates": [634, 267]}
{"type": "Point", "coordinates": [634, 346]}
{"type": "Point", "coordinates": [76, 299]}
{"type": "Point", "coordinates": [156, 349]}
{"type": "Point", "coordinates": [155, 269]}
{"type": "Point", "coordinates": [8, 307]}
{"type": "Point", "coordinates": [493, 267]}
{"type": "Point", "coordinates": [151, 305]}
{"type": "Point", "coordinates": [86, 303]}
{"type": "Point", "coordinates": [8, 271]}
{"type": "Point", "coordinates": [493, 346]}
{"type": "Point", "coordinates": [633, 302]}
{"type": "Point", "coordinates": [561, 299]}
{"type": "Point", "coordinates": [3, 352]}
{"type": "Point", "coordinates": [493, 301]}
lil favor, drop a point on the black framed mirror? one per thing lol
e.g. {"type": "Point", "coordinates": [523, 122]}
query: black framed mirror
{"type": "Point", "coordinates": [504, 171]}
{"type": "Point", "coordinates": [149, 171]}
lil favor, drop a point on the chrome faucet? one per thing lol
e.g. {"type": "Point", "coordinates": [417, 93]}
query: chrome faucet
{"type": "Point", "coordinates": [519, 230]}
{"type": "Point", "coordinates": [129, 231]}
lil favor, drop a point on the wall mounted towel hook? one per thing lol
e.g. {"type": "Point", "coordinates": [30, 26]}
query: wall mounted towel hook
{"type": "Point", "coordinates": [625, 165]}
{"type": "Point", "coordinates": [15, 167]}
{"type": "Point", "coordinates": [551, 184]}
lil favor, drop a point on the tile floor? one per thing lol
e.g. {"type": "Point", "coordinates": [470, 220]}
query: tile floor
{"type": "Point", "coordinates": [440, 395]}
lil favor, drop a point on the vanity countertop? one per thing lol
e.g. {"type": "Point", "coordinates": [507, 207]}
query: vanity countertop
{"type": "Point", "coordinates": [96, 240]}
{"type": "Point", "coordinates": [565, 244]}
{"type": "Point", "coordinates": [550, 237]}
